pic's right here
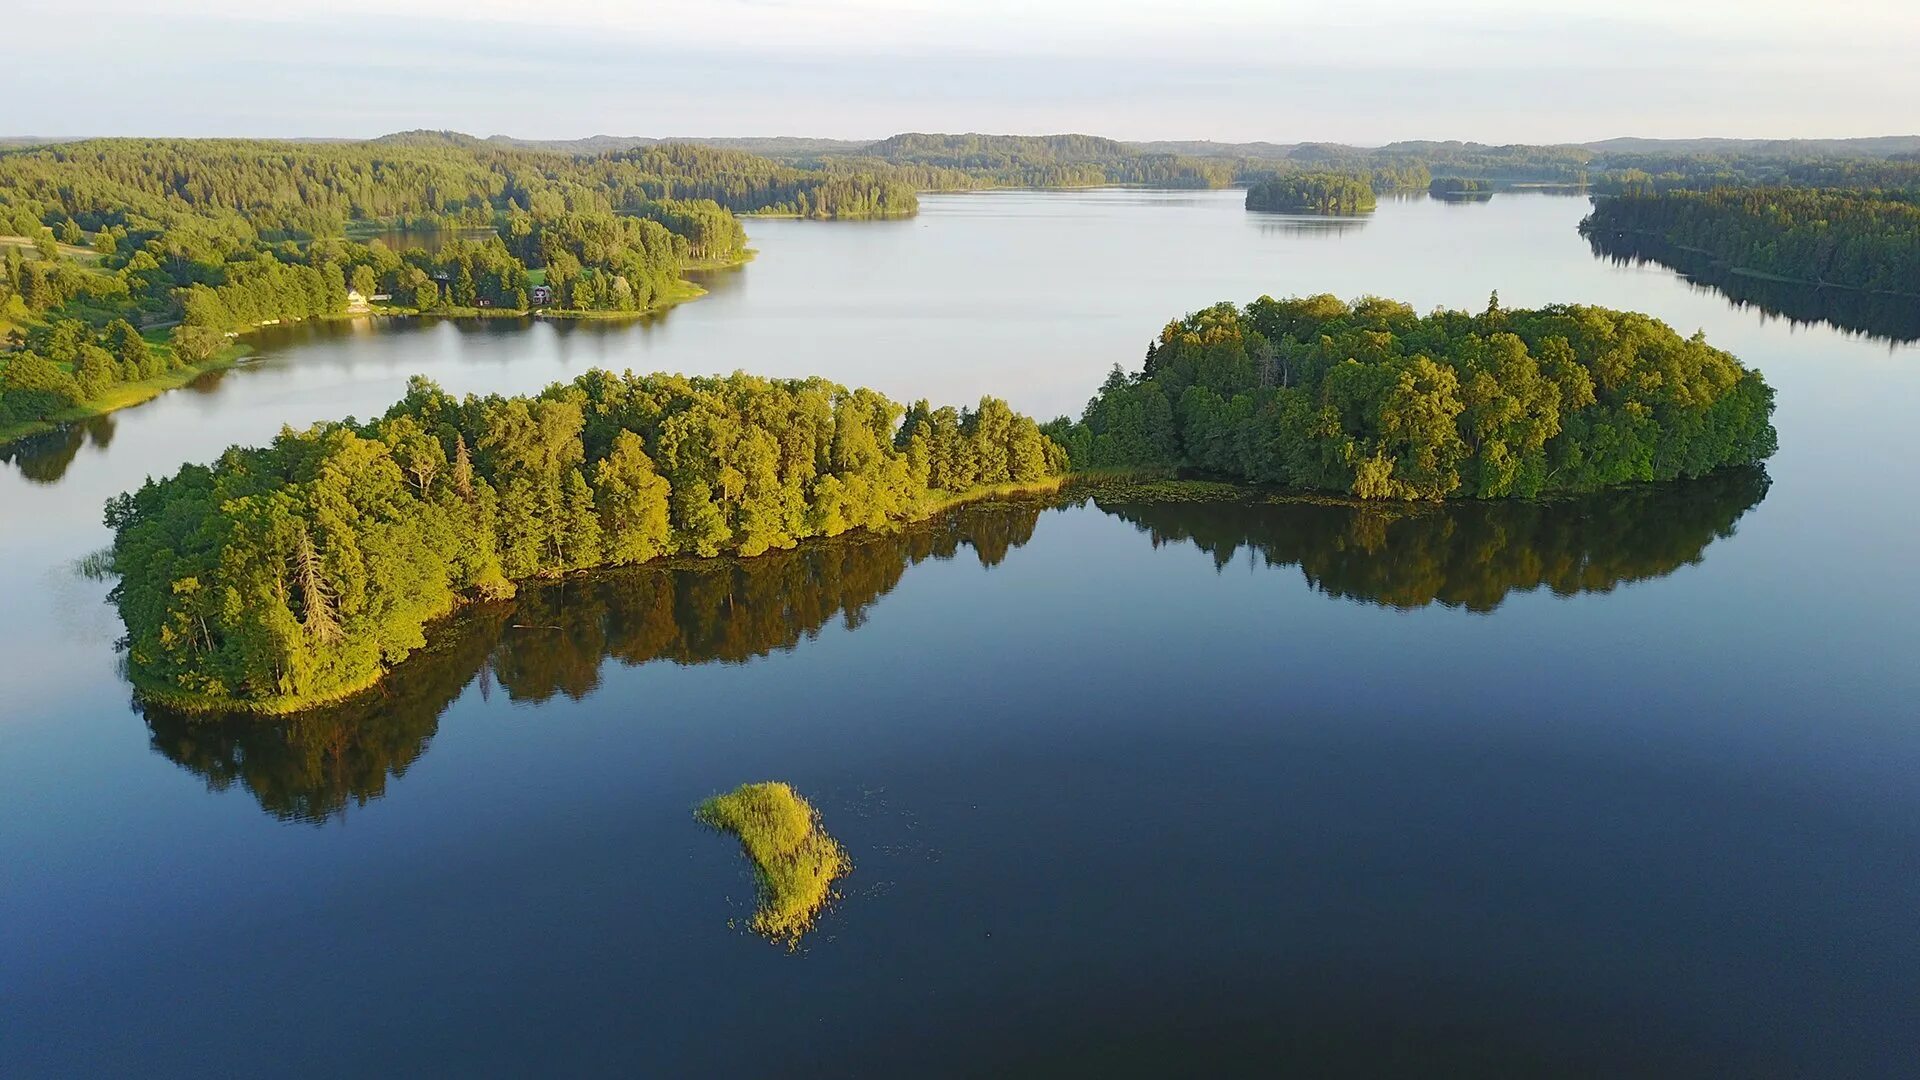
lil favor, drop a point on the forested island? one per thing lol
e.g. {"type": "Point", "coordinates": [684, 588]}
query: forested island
{"type": "Point", "coordinates": [1856, 239]}
{"type": "Point", "coordinates": [1313, 193]}
{"type": "Point", "coordinates": [1372, 400]}
{"type": "Point", "coordinates": [290, 575]}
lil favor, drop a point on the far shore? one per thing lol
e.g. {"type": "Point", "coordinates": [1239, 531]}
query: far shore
{"type": "Point", "coordinates": [128, 394]}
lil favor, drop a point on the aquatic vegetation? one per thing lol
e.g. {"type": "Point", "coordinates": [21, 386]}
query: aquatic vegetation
{"type": "Point", "coordinates": [794, 859]}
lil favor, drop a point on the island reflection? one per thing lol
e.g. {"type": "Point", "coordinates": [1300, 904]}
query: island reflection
{"type": "Point", "coordinates": [1467, 554]}
{"type": "Point", "coordinates": [555, 638]}
{"type": "Point", "coordinates": [44, 458]}
{"type": "Point", "coordinates": [1879, 316]}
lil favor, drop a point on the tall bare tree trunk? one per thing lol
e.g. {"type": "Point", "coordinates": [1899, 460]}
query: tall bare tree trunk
{"type": "Point", "coordinates": [316, 598]}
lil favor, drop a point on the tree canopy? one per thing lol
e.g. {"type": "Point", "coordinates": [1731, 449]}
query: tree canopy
{"type": "Point", "coordinates": [1313, 193]}
{"type": "Point", "coordinates": [1857, 239]}
{"type": "Point", "coordinates": [1371, 400]}
{"type": "Point", "coordinates": [216, 236]}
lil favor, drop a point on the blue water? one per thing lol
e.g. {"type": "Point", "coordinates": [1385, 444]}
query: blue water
{"type": "Point", "coordinates": [1325, 794]}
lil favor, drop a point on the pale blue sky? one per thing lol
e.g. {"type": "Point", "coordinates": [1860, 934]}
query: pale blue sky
{"type": "Point", "coordinates": [1361, 71]}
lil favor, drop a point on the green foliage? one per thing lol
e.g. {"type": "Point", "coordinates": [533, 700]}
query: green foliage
{"type": "Point", "coordinates": [33, 387]}
{"type": "Point", "coordinates": [229, 234]}
{"type": "Point", "coordinates": [950, 161]}
{"type": "Point", "coordinates": [1313, 193]}
{"type": "Point", "coordinates": [1413, 163]}
{"type": "Point", "coordinates": [1372, 400]}
{"type": "Point", "coordinates": [66, 364]}
{"type": "Point", "coordinates": [795, 861]}
{"type": "Point", "coordinates": [1858, 239]}
{"type": "Point", "coordinates": [220, 236]}
{"type": "Point", "coordinates": [1647, 173]}
{"type": "Point", "coordinates": [299, 572]}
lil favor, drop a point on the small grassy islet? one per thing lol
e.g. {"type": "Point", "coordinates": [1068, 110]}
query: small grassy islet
{"type": "Point", "coordinates": [795, 860]}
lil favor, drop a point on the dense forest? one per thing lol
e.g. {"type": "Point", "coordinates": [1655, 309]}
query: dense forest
{"type": "Point", "coordinates": [1312, 193]}
{"type": "Point", "coordinates": [1039, 161]}
{"type": "Point", "coordinates": [1371, 400]}
{"type": "Point", "coordinates": [296, 573]}
{"type": "Point", "coordinates": [204, 238]}
{"type": "Point", "coordinates": [1075, 160]}
{"type": "Point", "coordinates": [1857, 239]}
{"type": "Point", "coordinates": [1642, 174]}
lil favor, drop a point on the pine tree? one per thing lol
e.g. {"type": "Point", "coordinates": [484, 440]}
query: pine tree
{"type": "Point", "coordinates": [580, 524]}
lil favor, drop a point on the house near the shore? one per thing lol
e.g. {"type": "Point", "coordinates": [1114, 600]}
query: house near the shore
{"type": "Point", "coordinates": [541, 295]}
{"type": "Point", "coordinates": [356, 303]}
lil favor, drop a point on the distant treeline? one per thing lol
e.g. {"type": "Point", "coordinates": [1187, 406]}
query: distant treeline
{"type": "Point", "coordinates": [1858, 239]}
{"type": "Point", "coordinates": [1371, 400]}
{"type": "Point", "coordinates": [1040, 161]}
{"type": "Point", "coordinates": [1057, 160]}
{"type": "Point", "coordinates": [1649, 173]}
{"type": "Point", "coordinates": [294, 573]}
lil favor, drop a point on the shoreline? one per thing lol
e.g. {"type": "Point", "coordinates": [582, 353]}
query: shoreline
{"type": "Point", "coordinates": [1166, 485]}
{"type": "Point", "coordinates": [127, 395]}
{"type": "Point", "coordinates": [207, 707]}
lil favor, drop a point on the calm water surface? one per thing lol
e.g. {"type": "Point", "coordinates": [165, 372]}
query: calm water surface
{"type": "Point", "coordinates": [1617, 785]}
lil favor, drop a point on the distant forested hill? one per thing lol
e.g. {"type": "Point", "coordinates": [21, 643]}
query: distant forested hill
{"type": "Point", "coordinates": [1875, 146]}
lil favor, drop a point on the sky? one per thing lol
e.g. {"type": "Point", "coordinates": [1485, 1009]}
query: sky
{"type": "Point", "coordinates": [1354, 71]}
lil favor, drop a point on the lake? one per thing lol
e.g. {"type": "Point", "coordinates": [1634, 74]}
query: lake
{"type": "Point", "coordinates": [1616, 785]}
